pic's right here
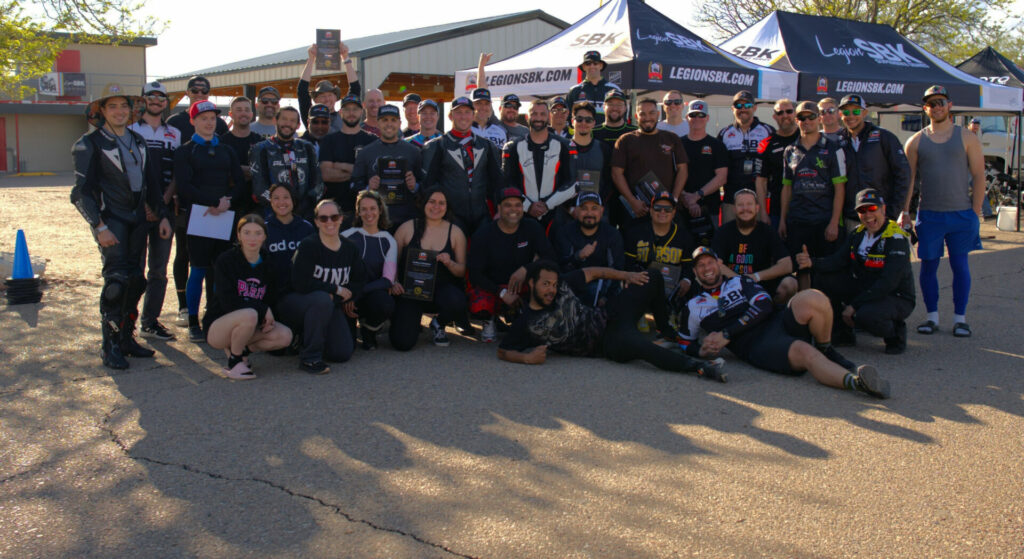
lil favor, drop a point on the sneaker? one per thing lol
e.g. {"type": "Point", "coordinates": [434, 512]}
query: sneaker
{"type": "Point", "coordinates": [240, 371]}
{"type": "Point", "coordinates": [315, 367]}
{"type": "Point", "coordinates": [871, 383]}
{"type": "Point", "coordinates": [834, 356]}
{"type": "Point", "coordinates": [195, 335]}
{"type": "Point", "coordinates": [440, 337]}
{"type": "Point", "coordinates": [642, 325]}
{"type": "Point", "coordinates": [182, 319]}
{"type": "Point", "coordinates": [712, 370]}
{"type": "Point", "coordinates": [158, 331]}
{"type": "Point", "coordinates": [489, 333]}
{"type": "Point", "coordinates": [369, 338]}
{"type": "Point", "coordinates": [895, 345]}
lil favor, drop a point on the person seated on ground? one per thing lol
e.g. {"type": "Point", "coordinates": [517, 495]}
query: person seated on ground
{"type": "Point", "coordinates": [750, 247]}
{"type": "Point", "coordinates": [239, 318]}
{"type": "Point", "coordinates": [660, 244]}
{"type": "Point", "coordinates": [498, 255]}
{"type": "Point", "coordinates": [432, 232]}
{"type": "Point", "coordinates": [553, 317]}
{"type": "Point", "coordinates": [738, 313]}
{"type": "Point", "coordinates": [327, 273]}
{"type": "Point", "coordinates": [869, 281]}
{"type": "Point", "coordinates": [379, 253]}
{"type": "Point", "coordinates": [589, 242]}
{"type": "Point", "coordinates": [284, 233]}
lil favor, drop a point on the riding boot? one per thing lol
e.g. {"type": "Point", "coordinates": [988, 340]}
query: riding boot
{"type": "Point", "coordinates": [112, 356]}
{"type": "Point", "coordinates": [129, 346]}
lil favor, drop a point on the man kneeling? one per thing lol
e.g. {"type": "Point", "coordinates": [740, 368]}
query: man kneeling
{"type": "Point", "coordinates": [554, 317]}
{"type": "Point", "coordinates": [737, 313]}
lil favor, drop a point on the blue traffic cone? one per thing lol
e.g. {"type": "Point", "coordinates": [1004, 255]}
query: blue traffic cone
{"type": "Point", "coordinates": [22, 264]}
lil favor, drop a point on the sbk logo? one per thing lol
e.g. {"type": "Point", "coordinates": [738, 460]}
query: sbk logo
{"type": "Point", "coordinates": [881, 53]}
{"type": "Point", "coordinates": [756, 53]}
{"type": "Point", "coordinates": [591, 39]}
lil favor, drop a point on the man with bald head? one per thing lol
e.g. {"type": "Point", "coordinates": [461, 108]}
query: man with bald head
{"type": "Point", "coordinates": [373, 102]}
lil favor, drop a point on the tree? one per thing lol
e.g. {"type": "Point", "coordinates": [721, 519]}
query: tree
{"type": "Point", "coordinates": [951, 29]}
{"type": "Point", "coordinates": [29, 44]}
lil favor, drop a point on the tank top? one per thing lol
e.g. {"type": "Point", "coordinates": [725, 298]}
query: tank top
{"type": "Point", "coordinates": [945, 174]}
{"type": "Point", "coordinates": [444, 275]}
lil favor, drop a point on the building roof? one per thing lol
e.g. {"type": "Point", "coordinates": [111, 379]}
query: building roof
{"type": "Point", "coordinates": [376, 45]}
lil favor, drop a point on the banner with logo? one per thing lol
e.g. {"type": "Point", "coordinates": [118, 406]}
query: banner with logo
{"type": "Point", "coordinates": [993, 67]}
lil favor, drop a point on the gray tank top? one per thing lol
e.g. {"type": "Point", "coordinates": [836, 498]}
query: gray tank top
{"type": "Point", "coordinates": [945, 174]}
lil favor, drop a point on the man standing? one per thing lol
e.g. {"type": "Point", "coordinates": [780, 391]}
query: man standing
{"type": "Point", "coordinates": [338, 151]}
{"type": "Point", "coordinates": [161, 141]}
{"type": "Point", "coordinates": [742, 138]}
{"type": "Point", "coordinates": [411, 105]}
{"type": "Point", "coordinates": [267, 102]}
{"type": "Point", "coordinates": [390, 152]}
{"type": "Point", "coordinates": [948, 160]}
{"type": "Point", "coordinates": [374, 101]}
{"type": "Point", "coordinates": [117, 183]}
{"type": "Point", "coordinates": [586, 242]}
{"type": "Point", "coordinates": [589, 161]}
{"type": "Point", "coordinates": [326, 93]}
{"type": "Point", "coordinates": [484, 121]}
{"type": "Point", "coordinates": [197, 89]}
{"type": "Point", "coordinates": [539, 165]}
{"type": "Point", "coordinates": [286, 159]}
{"type": "Point", "coordinates": [241, 139]}
{"type": "Point", "coordinates": [509, 113]}
{"type": "Point", "coordinates": [465, 166]}
{"type": "Point", "coordinates": [319, 125]}
{"type": "Point", "coordinates": [648, 150]}
{"type": "Point", "coordinates": [674, 123]}
{"type": "Point", "coordinates": [706, 171]}
{"type": "Point", "coordinates": [428, 113]}
{"type": "Point", "coordinates": [769, 179]}
{"type": "Point", "coordinates": [829, 111]}
{"type": "Point", "coordinates": [559, 120]}
{"type": "Point", "coordinates": [594, 87]}
{"type": "Point", "coordinates": [874, 159]}
{"type": "Point", "coordinates": [813, 191]}
{"type": "Point", "coordinates": [615, 124]}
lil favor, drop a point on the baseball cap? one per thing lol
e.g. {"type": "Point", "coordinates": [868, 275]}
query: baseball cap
{"type": "Point", "coordinates": [615, 94]}
{"type": "Point", "coordinates": [743, 95]}
{"type": "Point", "coordinates": [411, 98]}
{"type": "Point", "coordinates": [198, 80]}
{"type": "Point", "coordinates": [703, 251]}
{"type": "Point", "coordinates": [461, 102]}
{"type": "Point", "coordinates": [592, 56]}
{"type": "Point", "coordinates": [509, 99]}
{"type": "Point", "coordinates": [481, 93]}
{"type": "Point", "coordinates": [388, 110]}
{"type": "Point", "coordinates": [510, 192]}
{"type": "Point", "coordinates": [588, 196]}
{"type": "Point", "coordinates": [853, 99]}
{"type": "Point", "coordinates": [154, 87]}
{"type": "Point", "coordinates": [559, 101]}
{"type": "Point", "coordinates": [869, 197]}
{"type": "Point", "coordinates": [975, 121]}
{"type": "Point", "coordinates": [325, 86]}
{"type": "Point", "coordinates": [269, 89]}
{"type": "Point", "coordinates": [935, 90]}
{"type": "Point", "coordinates": [351, 99]}
{"type": "Point", "coordinates": [807, 107]}
{"type": "Point", "coordinates": [319, 111]}
{"type": "Point", "coordinates": [697, 106]}
{"type": "Point", "coordinates": [200, 107]}
{"type": "Point", "coordinates": [428, 103]}
{"type": "Point", "coordinates": [662, 196]}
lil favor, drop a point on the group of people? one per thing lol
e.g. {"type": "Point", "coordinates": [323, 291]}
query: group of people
{"type": "Point", "coordinates": [564, 234]}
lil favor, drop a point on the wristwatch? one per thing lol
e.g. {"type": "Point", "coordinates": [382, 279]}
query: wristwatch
{"type": "Point", "coordinates": [102, 228]}
{"type": "Point", "coordinates": [725, 334]}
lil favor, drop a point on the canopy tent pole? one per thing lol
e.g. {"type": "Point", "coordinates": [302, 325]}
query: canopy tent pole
{"type": "Point", "coordinates": [1016, 155]}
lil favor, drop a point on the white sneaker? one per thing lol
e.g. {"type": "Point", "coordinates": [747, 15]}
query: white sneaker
{"type": "Point", "coordinates": [182, 317]}
{"type": "Point", "coordinates": [490, 332]}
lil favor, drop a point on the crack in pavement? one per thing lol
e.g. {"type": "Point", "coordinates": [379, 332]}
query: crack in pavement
{"type": "Point", "coordinates": [105, 426]}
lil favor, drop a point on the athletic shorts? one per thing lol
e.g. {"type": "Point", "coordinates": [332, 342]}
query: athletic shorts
{"type": "Point", "coordinates": [812, 235]}
{"type": "Point", "coordinates": [767, 346]}
{"type": "Point", "coordinates": [959, 231]}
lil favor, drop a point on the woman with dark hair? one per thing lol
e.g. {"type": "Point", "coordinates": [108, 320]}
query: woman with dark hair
{"type": "Point", "coordinates": [433, 232]}
{"type": "Point", "coordinates": [284, 233]}
{"type": "Point", "coordinates": [379, 252]}
{"type": "Point", "coordinates": [327, 272]}
{"type": "Point", "coordinates": [238, 317]}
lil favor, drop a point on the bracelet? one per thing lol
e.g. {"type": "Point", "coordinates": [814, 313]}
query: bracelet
{"type": "Point", "coordinates": [757, 277]}
{"type": "Point", "coordinates": [503, 293]}
{"type": "Point", "coordinates": [102, 228]}
{"type": "Point", "coordinates": [347, 61]}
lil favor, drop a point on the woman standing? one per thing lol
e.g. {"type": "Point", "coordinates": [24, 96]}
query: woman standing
{"type": "Point", "coordinates": [327, 273]}
{"type": "Point", "coordinates": [379, 252]}
{"type": "Point", "coordinates": [432, 232]}
{"type": "Point", "coordinates": [238, 318]}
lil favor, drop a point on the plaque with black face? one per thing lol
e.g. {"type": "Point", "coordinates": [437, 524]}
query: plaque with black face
{"type": "Point", "coordinates": [670, 273]}
{"type": "Point", "coordinates": [588, 180]}
{"type": "Point", "coordinates": [391, 171]}
{"type": "Point", "coordinates": [420, 274]}
{"type": "Point", "coordinates": [328, 49]}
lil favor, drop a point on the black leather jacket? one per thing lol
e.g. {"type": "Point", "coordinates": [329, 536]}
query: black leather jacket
{"type": "Point", "coordinates": [878, 163]}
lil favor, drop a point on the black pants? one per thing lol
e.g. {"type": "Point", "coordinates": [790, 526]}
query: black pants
{"type": "Point", "coordinates": [449, 303]}
{"type": "Point", "coordinates": [123, 282]}
{"type": "Point", "coordinates": [883, 318]}
{"type": "Point", "coordinates": [623, 342]}
{"type": "Point", "coordinates": [324, 326]}
{"type": "Point", "coordinates": [180, 267]}
{"type": "Point", "coordinates": [159, 252]}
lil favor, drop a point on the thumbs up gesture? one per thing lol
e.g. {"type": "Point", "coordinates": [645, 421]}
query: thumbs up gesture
{"type": "Point", "coordinates": [803, 259]}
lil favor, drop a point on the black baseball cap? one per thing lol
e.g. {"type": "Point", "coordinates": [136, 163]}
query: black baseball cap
{"type": "Point", "coordinates": [481, 93]}
{"type": "Point", "coordinates": [559, 101]}
{"type": "Point", "coordinates": [411, 98]}
{"type": "Point", "coordinates": [428, 103]}
{"type": "Point", "coordinates": [198, 80]}
{"type": "Point", "coordinates": [351, 99]}
{"type": "Point", "coordinates": [662, 196]}
{"type": "Point", "coordinates": [269, 89]}
{"type": "Point", "coordinates": [615, 94]}
{"type": "Point", "coordinates": [587, 196]}
{"type": "Point", "coordinates": [853, 99]}
{"type": "Point", "coordinates": [744, 95]}
{"type": "Point", "coordinates": [510, 192]}
{"type": "Point", "coordinates": [461, 102]}
{"type": "Point", "coordinates": [807, 107]}
{"type": "Point", "coordinates": [869, 197]}
{"type": "Point", "coordinates": [389, 110]}
{"type": "Point", "coordinates": [935, 90]}
{"type": "Point", "coordinates": [593, 56]}
{"type": "Point", "coordinates": [511, 99]}
{"type": "Point", "coordinates": [319, 111]}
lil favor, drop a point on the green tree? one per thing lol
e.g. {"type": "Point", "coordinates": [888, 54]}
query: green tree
{"type": "Point", "coordinates": [951, 29]}
{"type": "Point", "coordinates": [29, 46]}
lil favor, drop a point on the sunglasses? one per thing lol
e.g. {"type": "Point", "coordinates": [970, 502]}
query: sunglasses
{"type": "Point", "coordinates": [697, 115]}
{"type": "Point", "coordinates": [854, 112]}
{"type": "Point", "coordinates": [269, 101]}
{"type": "Point", "coordinates": [156, 97]}
{"type": "Point", "coordinates": [198, 90]}
{"type": "Point", "coordinates": [673, 101]}
{"type": "Point", "coordinates": [510, 105]}
{"type": "Point", "coordinates": [784, 112]}
{"type": "Point", "coordinates": [585, 119]}
{"type": "Point", "coordinates": [743, 105]}
{"type": "Point", "coordinates": [325, 218]}
{"type": "Point", "coordinates": [661, 208]}
{"type": "Point", "coordinates": [320, 121]}
{"type": "Point", "coordinates": [830, 110]}
{"type": "Point", "coordinates": [867, 209]}
{"type": "Point", "coordinates": [934, 103]}
{"type": "Point", "coordinates": [805, 117]}
{"type": "Point", "coordinates": [559, 110]}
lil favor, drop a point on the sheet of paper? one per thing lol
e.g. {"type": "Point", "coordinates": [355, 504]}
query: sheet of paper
{"type": "Point", "coordinates": [203, 224]}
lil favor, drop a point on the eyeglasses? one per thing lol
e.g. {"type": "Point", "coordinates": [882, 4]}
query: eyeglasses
{"type": "Point", "coordinates": [867, 209]}
{"type": "Point", "coordinates": [325, 218]}
{"type": "Point", "coordinates": [697, 115]}
{"type": "Point", "coordinates": [585, 119]}
{"type": "Point", "coordinates": [743, 105]}
{"type": "Point", "coordinates": [559, 110]}
{"type": "Point", "coordinates": [510, 105]}
{"type": "Point", "coordinates": [156, 97]}
{"type": "Point", "coordinates": [806, 116]}
{"type": "Point", "coordinates": [673, 101]}
{"type": "Point", "coordinates": [854, 112]}
{"type": "Point", "coordinates": [784, 112]}
{"type": "Point", "coordinates": [320, 121]}
{"type": "Point", "coordinates": [830, 110]}
{"type": "Point", "coordinates": [269, 101]}
{"type": "Point", "coordinates": [661, 208]}
{"type": "Point", "coordinates": [936, 103]}
{"type": "Point", "coordinates": [198, 90]}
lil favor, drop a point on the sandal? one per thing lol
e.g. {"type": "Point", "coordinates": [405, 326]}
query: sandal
{"type": "Point", "coordinates": [240, 371]}
{"type": "Point", "coordinates": [961, 330]}
{"type": "Point", "coordinates": [928, 328]}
